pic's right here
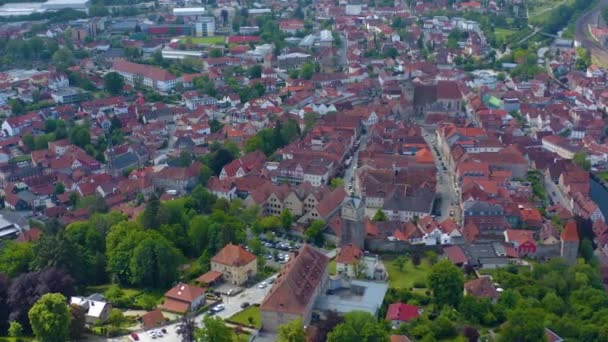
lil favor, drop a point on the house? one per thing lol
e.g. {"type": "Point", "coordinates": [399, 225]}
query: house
{"type": "Point", "coordinates": [235, 263]}
{"type": "Point", "coordinates": [354, 263]}
{"type": "Point", "coordinates": [146, 75]}
{"type": "Point", "coordinates": [296, 289]}
{"type": "Point", "coordinates": [153, 319]}
{"type": "Point", "coordinates": [183, 297]}
{"type": "Point", "coordinates": [399, 313]}
{"type": "Point", "coordinates": [569, 242]}
{"type": "Point", "coordinates": [481, 288]}
{"type": "Point", "coordinates": [95, 307]}
{"type": "Point", "coordinates": [522, 240]}
{"type": "Point", "coordinates": [241, 167]}
{"type": "Point", "coordinates": [180, 179]}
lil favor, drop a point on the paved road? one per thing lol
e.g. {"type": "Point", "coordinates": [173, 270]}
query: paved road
{"type": "Point", "coordinates": [582, 35]}
{"type": "Point", "coordinates": [444, 187]}
{"type": "Point", "coordinates": [349, 173]}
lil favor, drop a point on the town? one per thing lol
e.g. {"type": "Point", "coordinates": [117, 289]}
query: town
{"type": "Point", "coordinates": [329, 170]}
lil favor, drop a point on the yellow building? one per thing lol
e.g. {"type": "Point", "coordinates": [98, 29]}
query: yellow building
{"type": "Point", "coordinates": [235, 263]}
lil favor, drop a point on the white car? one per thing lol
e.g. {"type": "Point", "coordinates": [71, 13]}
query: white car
{"type": "Point", "coordinates": [152, 334]}
{"type": "Point", "coordinates": [218, 308]}
{"type": "Point", "coordinates": [262, 285]}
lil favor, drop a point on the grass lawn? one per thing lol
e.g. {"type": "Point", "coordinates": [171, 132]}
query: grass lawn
{"type": "Point", "coordinates": [215, 40]}
{"type": "Point", "coordinates": [242, 337]}
{"type": "Point", "coordinates": [410, 275]}
{"type": "Point", "coordinates": [130, 298]}
{"type": "Point", "coordinates": [603, 175]}
{"type": "Point", "coordinates": [503, 33]}
{"type": "Point", "coordinates": [243, 317]}
{"type": "Point", "coordinates": [15, 339]}
{"type": "Point", "coordinates": [332, 267]}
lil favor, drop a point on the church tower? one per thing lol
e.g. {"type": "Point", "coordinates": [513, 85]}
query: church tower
{"type": "Point", "coordinates": [353, 228]}
{"type": "Point", "coordinates": [569, 242]}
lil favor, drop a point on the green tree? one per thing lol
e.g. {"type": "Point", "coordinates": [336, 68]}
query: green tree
{"type": "Point", "coordinates": [524, 325]}
{"type": "Point", "coordinates": [307, 70]}
{"type": "Point", "coordinates": [154, 262]}
{"type": "Point", "coordinates": [63, 58]}
{"type": "Point", "coordinates": [314, 232]}
{"type": "Point", "coordinates": [359, 326]}
{"type": "Point", "coordinates": [214, 330]}
{"type": "Point", "coordinates": [286, 220]}
{"type": "Point", "coordinates": [215, 53]}
{"type": "Point", "coordinates": [15, 329]}
{"type": "Point", "coordinates": [447, 283]}
{"type": "Point", "coordinates": [15, 258]}
{"type": "Point", "coordinates": [149, 218]}
{"type": "Point", "coordinates": [580, 159]}
{"type": "Point", "coordinates": [50, 318]}
{"type": "Point", "coordinates": [59, 188]}
{"type": "Point", "coordinates": [336, 183]}
{"type": "Point", "coordinates": [310, 119]}
{"type": "Point", "coordinates": [17, 106]}
{"type": "Point", "coordinates": [292, 331]}
{"type": "Point", "coordinates": [379, 216]}
{"type": "Point", "coordinates": [113, 83]}
{"type": "Point", "coordinates": [255, 71]}
{"type": "Point", "coordinates": [205, 85]}
{"type": "Point", "coordinates": [80, 136]}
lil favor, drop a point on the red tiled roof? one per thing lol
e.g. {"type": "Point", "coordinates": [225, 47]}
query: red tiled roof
{"type": "Point", "coordinates": [349, 254]}
{"type": "Point", "coordinates": [147, 71]}
{"type": "Point", "coordinates": [175, 306]}
{"type": "Point", "coordinates": [209, 277]}
{"type": "Point", "coordinates": [153, 319]}
{"type": "Point", "coordinates": [184, 292]}
{"type": "Point", "coordinates": [30, 235]}
{"type": "Point", "coordinates": [570, 233]}
{"type": "Point", "coordinates": [455, 254]}
{"type": "Point", "coordinates": [481, 287]}
{"type": "Point", "coordinates": [400, 338]}
{"type": "Point", "coordinates": [297, 283]}
{"type": "Point", "coordinates": [402, 312]}
{"type": "Point", "coordinates": [233, 255]}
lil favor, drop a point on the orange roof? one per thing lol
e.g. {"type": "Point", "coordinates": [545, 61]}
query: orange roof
{"type": "Point", "coordinates": [349, 254]}
{"type": "Point", "coordinates": [570, 233]}
{"type": "Point", "coordinates": [153, 319]}
{"type": "Point", "coordinates": [175, 306]}
{"type": "Point", "coordinates": [424, 155]}
{"type": "Point", "coordinates": [209, 277]}
{"type": "Point", "coordinates": [184, 293]}
{"type": "Point", "coordinates": [233, 255]}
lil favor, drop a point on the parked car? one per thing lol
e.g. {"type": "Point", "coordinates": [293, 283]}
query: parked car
{"type": "Point", "coordinates": [244, 305]}
{"type": "Point", "coordinates": [134, 337]}
{"type": "Point", "coordinates": [217, 308]}
{"type": "Point", "coordinates": [263, 285]}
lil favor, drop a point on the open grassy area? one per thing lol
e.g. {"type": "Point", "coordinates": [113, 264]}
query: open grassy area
{"type": "Point", "coordinates": [503, 33]}
{"type": "Point", "coordinates": [215, 40]}
{"type": "Point", "coordinates": [408, 275]}
{"type": "Point", "coordinates": [250, 317]}
{"type": "Point", "coordinates": [15, 339]}
{"type": "Point", "coordinates": [129, 298]}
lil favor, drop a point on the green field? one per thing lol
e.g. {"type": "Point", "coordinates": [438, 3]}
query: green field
{"type": "Point", "coordinates": [215, 40]}
{"type": "Point", "coordinates": [503, 33]}
{"type": "Point", "coordinates": [249, 317]}
{"type": "Point", "coordinates": [408, 276]}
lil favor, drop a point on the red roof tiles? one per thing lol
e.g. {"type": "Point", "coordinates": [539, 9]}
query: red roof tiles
{"type": "Point", "coordinates": [233, 255]}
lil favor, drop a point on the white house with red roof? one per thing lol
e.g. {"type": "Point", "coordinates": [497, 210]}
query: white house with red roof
{"type": "Point", "coordinates": [399, 313]}
{"type": "Point", "coordinates": [13, 125]}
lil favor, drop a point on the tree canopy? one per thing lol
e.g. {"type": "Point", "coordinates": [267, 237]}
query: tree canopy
{"type": "Point", "coordinates": [50, 318]}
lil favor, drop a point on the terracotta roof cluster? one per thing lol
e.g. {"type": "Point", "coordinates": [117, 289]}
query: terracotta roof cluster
{"type": "Point", "coordinates": [297, 283]}
{"type": "Point", "coordinates": [234, 256]}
